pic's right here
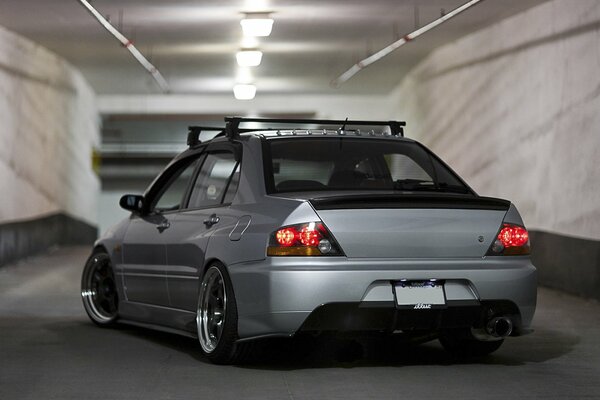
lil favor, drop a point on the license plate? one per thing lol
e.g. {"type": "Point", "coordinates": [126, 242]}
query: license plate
{"type": "Point", "coordinates": [420, 295]}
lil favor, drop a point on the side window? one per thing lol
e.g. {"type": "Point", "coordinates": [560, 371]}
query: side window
{"type": "Point", "coordinates": [172, 193]}
{"type": "Point", "coordinates": [213, 185]}
{"type": "Point", "coordinates": [233, 185]}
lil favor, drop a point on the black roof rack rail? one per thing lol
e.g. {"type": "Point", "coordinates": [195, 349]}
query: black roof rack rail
{"type": "Point", "coordinates": [232, 130]}
{"type": "Point", "coordinates": [193, 138]}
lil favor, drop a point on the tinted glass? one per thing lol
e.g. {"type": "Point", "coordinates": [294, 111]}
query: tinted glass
{"type": "Point", "coordinates": [233, 185]}
{"type": "Point", "coordinates": [172, 193]}
{"type": "Point", "coordinates": [213, 180]}
{"type": "Point", "coordinates": [320, 164]}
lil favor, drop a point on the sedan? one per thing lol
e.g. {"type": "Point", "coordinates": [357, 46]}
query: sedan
{"type": "Point", "coordinates": [310, 226]}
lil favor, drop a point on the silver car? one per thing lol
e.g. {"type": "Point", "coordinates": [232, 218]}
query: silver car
{"type": "Point", "coordinates": [342, 226]}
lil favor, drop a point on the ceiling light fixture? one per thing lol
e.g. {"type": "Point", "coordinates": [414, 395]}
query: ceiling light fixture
{"type": "Point", "coordinates": [248, 57]}
{"type": "Point", "coordinates": [257, 24]}
{"type": "Point", "coordinates": [244, 92]}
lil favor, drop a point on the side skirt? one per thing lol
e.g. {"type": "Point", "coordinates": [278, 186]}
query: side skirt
{"type": "Point", "coordinates": [159, 328]}
{"type": "Point", "coordinates": [158, 317]}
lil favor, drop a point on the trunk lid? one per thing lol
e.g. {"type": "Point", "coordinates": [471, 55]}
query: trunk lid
{"type": "Point", "coordinates": [412, 226]}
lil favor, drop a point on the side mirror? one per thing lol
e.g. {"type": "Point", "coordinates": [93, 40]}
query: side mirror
{"type": "Point", "coordinates": [132, 202]}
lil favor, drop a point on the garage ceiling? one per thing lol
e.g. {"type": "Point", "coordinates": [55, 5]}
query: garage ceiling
{"type": "Point", "coordinates": [193, 43]}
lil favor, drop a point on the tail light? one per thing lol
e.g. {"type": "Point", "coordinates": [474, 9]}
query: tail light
{"type": "Point", "coordinates": [311, 239]}
{"type": "Point", "coordinates": [512, 240]}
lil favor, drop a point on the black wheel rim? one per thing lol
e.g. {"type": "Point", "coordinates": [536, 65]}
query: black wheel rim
{"type": "Point", "coordinates": [100, 291]}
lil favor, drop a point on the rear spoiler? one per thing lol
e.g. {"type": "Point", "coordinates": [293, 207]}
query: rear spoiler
{"type": "Point", "coordinates": [366, 201]}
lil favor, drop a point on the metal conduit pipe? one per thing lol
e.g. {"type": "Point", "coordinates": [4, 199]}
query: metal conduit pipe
{"type": "Point", "coordinates": [128, 44]}
{"type": "Point", "coordinates": [339, 81]}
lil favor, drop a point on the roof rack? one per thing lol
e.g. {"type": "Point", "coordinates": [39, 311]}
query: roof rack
{"type": "Point", "coordinates": [193, 138]}
{"type": "Point", "coordinates": [232, 130]}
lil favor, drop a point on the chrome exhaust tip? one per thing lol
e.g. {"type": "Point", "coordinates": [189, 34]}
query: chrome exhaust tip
{"type": "Point", "coordinates": [499, 327]}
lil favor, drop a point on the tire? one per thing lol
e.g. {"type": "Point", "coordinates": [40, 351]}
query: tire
{"type": "Point", "coordinates": [216, 317]}
{"type": "Point", "coordinates": [462, 344]}
{"type": "Point", "coordinates": [99, 290]}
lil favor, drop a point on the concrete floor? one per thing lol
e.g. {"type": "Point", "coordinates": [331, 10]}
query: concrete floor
{"type": "Point", "coordinates": [50, 350]}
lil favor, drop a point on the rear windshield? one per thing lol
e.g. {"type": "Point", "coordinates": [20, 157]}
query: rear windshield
{"type": "Point", "coordinates": [326, 164]}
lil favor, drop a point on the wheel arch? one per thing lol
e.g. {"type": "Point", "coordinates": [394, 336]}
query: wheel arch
{"type": "Point", "coordinates": [210, 261]}
{"type": "Point", "coordinates": [100, 248]}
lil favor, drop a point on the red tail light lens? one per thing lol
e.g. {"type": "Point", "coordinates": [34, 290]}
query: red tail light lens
{"type": "Point", "coordinates": [310, 236]}
{"type": "Point", "coordinates": [310, 239]}
{"type": "Point", "coordinates": [513, 236]}
{"type": "Point", "coordinates": [512, 240]}
{"type": "Point", "coordinates": [286, 236]}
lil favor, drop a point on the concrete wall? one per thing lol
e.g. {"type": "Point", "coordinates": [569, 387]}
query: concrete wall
{"type": "Point", "coordinates": [49, 125]}
{"type": "Point", "coordinates": [515, 109]}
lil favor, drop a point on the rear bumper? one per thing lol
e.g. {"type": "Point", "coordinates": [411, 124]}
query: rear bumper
{"type": "Point", "coordinates": [283, 295]}
{"type": "Point", "coordinates": [365, 316]}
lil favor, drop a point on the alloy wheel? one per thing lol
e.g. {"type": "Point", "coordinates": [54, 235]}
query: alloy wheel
{"type": "Point", "coordinates": [99, 291]}
{"type": "Point", "coordinates": [212, 308]}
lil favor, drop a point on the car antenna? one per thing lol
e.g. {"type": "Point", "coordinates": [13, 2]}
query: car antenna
{"type": "Point", "coordinates": [344, 125]}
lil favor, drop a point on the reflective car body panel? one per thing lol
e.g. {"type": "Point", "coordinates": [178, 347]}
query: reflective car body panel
{"type": "Point", "coordinates": [296, 290]}
{"type": "Point", "coordinates": [145, 260]}
{"type": "Point", "coordinates": [413, 233]}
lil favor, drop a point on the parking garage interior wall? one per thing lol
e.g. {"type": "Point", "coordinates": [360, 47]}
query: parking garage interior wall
{"type": "Point", "coordinates": [49, 128]}
{"type": "Point", "coordinates": [514, 109]}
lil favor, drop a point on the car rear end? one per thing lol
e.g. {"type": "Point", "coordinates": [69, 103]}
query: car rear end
{"type": "Point", "coordinates": [382, 236]}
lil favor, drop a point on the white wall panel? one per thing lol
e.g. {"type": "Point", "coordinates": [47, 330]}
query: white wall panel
{"type": "Point", "coordinates": [515, 109]}
{"type": "Point", "coordinates": [48, 127]}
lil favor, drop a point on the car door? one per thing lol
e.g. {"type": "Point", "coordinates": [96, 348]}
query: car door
{"type": "Point", "coordinates": [144, 247]}
{"type": "Point", "coordinates": [213, 189]}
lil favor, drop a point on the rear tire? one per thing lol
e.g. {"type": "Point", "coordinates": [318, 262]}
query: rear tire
{"type": "Point", "coordinates": [99, 290]}
{"type": "Point", "coordinates": [216, 317]}
{"type": "Point", "coordinates": [462, 344]}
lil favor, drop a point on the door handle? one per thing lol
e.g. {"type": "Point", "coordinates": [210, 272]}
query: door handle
{"type": "Point", "coordinates": [213, 219]}
{"type": "Point", "coordinates": [163, 225]}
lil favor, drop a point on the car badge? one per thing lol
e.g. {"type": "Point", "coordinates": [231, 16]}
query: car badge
{"type": "Point", "coordinates": [421, 306]}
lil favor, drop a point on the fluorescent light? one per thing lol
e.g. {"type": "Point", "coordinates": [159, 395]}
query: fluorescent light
{"type": "Point", "coordinates": [256, 5]}
{"type": "Point", "coordinates": [252, 26]}
{"type": "Point", "coordinates": [248, 58]}
{"type": "Point", "coordinates": [244, 92]}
